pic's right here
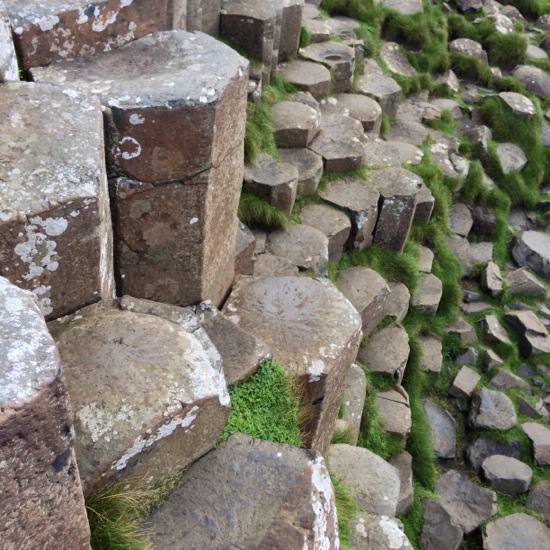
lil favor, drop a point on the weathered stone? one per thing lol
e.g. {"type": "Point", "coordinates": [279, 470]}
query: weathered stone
{"type": "Point", "coordinates": [493, 331]}
{"type": "Point", "coordinates": [514, 14]}
{"type": "Point", "coordinates": [307, 76]}
{"type": "Point", "coordinates": [491, 280]}
{"type": "Point", "coordinates": [396, 60]}
{"type": "Point", "coordinates": [506, 474]}
{"type": "Point", "coordinates": [404, 7]}
{"type": "Point", "coordinates": [383, 89]}
{"type": "Point", "coordinates": [294, 124]}
{"type": "Point", "coordinates": [479, 253]}
{"type": "Point", "coordinates": [511, 158]}
{"type": "Point", "coordinates": [532, 250]}
{"type": "Point", "coordinates": [535, 411]}
{"type": "Point", "coordinates": [440, 154]}
{"type": "Point", "coordinates": [291, 12]}
{"type": "Point", "coordinates": [398, 190]}
{"type": "Point", "coordinates": [470, 48]}
{"type": "Point", "coordinates": [533, 335]}
{"type": "Point", "coordinates": [306, 98]}
{"type": "Point", "coordinates": [451, 80]}
{"type": "Point", "coordinates": [540, 438]}
{"type": "Point", "coordinates": [373, 483]}
{"type": "Point", "coordinates": [54, 31]}
{"type": "Point", "coordinates": [296, 317]}
{"type": "Point", "coordinates": [267, 265]}
{"type": "Point", "coordinates": [391, 153]}
{"type": "Point", "coordinates": [386, 352]}
{"type": "Point", "coordinates": [55, 223]}
{"type": "Point", "coordinates": [394, 411]}
{"type": "Point", "coordinates": [343, 27]}
{"type": "Point", "coordinates": [469, 6]}
{"type": "Point", "coordinates": [468, 505]}
{"type": "Point", "coordinates": [463, 330]}
{"type": "Point", "coordinates": [245, 245]}
{"type": "Point", "coordinates": [403, 463]}
{"type": "Point", "coordinates": [465, 383]}
{"type": "Point", "coordinates": [538, 499]}
{"type": "Point", "coordinates": [439, 532]}
{"type": "Point", "coordinates": [484, 220]}
{"type": "Point", "coordinates": [408, 131]}
{"type": "Point", "coordinates": [370, 532]}
{"type": "Point", "coordinates": [309, 166]}
{"type": "Point", "coordinates": [113, 365]}
{"type": "Point", "coordinates": [197, 15]}
{"type": "Point", "coordinates": [397, 303]}
{"type": "Point", "coordinates": [505, 380]}
{"type": "Point", "coordinates": [298, 510]}
{"type": "Point", "coordinates": [354, 400]}
{"type": "Point", "coordinates": [9, 71]}
{"type": "Point", "coordinates": [41, 498]}
{"type": "Point", "coordinates": [469, 357]}
{"type": "Point", "coordinates": [475, 308]}
{"type": "Point", "coordinates": [534, 79]}
{"type": "Point", "coordinates": [425, 204]}
{"type": "Point", "coordinates": [460, 219]}
{"type": "Point", "coordinates": [360, 202]}
{"type": "Point", "coordinates": [364, 109]}
{"type": "Point", "coordinates": [334, 224]}
{"type": "Point", "coordinates": [275, 181]}
{"type": "Point", "coordinates": [319, 30]}
{"type": "Point", "coordinates": [432, 354]}
{"type": "Point", "coordinates": [428, 294]}
{"type": "Point", "coordinates": [331, 106]}
{"type": "Point", "coordinates": [493, 410]}
{"type": "Point", "coordinates": [442, 430]}
{"type": "Point", "coordinates": [483, 448]}
{"type": "Point", "coordinates": [516, 531]}
{"type": "Point", "coordinates": [521, 106]}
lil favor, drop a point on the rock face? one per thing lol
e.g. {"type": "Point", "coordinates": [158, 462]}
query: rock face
{"type": "Point", "coordinates": [215, 509]}
{"type": "Point", "coordinates": [534, 79]}
{"type": "Point", "coordinates": [483, 448]}
{"type": "Point", "coordinates": [147, 381]}
{"type": "Point", "coordinates": [371, 532]}
{"type": "Point", "coordinates": [175, 129]}
{"type": "Point", "coordinates": [533, 335]}
{"type": "Point", "coordinates": [493, 410]}
{"type": "Point", "coordinates": [442, 430]}
{"type": "Point", "coordinates": [309, 166]}
{"type": "Point", "coordinates": [540, 437]}
{"type": "Point", "coordinates": [532, 250]}
{"type": "Point", "coordinates": [55, 226]}
{"type": "Point", "coordinates": [314, 333]}
{"type": "Point", "coordinates": [516, 531]}
{"type": "Point", "coordinates": [539, 499]}
{"type": "Point", "coordinates": [9, 71]}
{"type": "Point", "coordinates": [506, 474]}
{"type": "Point", "coordinates": [521, 282]}
{"type": "Point", "coordinates": [354, 400]}
{"type": "Point", "coordinates": [439, 531]}
{"type": "Point", "coordinates": [40, 485]}
{"type": "Point", "coordinates": [373, 482]}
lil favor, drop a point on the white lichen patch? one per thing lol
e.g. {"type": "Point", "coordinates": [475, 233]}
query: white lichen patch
{"type": "Point", "coordinates": [396, 537]}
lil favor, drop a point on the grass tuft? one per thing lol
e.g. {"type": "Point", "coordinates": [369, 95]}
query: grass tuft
{"type": "Point", "coordinates": [346, 508]}
{"type": "Point", "coordinates": [256, 211]}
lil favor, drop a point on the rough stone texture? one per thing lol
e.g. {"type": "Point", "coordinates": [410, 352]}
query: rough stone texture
{"type": "Point", "coordinates": [469, 357]}
{"type": "Point", "coordinates": [397, 303]}
{"type": "Point", "coordinates": [521, 106]}
{"type": "Point", "coordinates": [307, 76]}
{"type": "Point", "coordinates": [404, 7]}
{"type": "Point", "coordinates": [55, 223]}
{"type": "Point", "coordinates": [386, 352]}
{"type": "Point", "coordinates": [484, 220]}
{"type": "Point", "coordinates": [334, 224]}
{"type": "Point", "coordinates": [516, 531]}
{"type": "Point", "coordinates": [360, 202]}
{"type": "Point", "coordinates": [267, 265]}
{"type": "Point", "coordinates": [371, 532]}
{"type": "Point", "coordinates": [471, 48]}
{"type": "Point", "coordinates": [45, 32]}
{"type": "Point", "coordinates": [175, 81]}
{"type": "Point", "coordinates": [442, 430]}
{"type": "Point", "coordinates": [354, 400]}
{"type": "Point", "coordinates": [533, 335]}
{"type": "Point", "coordinates": [534, 79]}
{"type": "Point", "coordinates": [290, 14]}
{"type": "Point", "coordinates": [491, 280]}
{"type": "Point", "coordinates": [451, 80]}
{"type": "Point", "coordinates": [439, 531]}
{"type": "Point", "coordinates": [538, 499]}
{"type": "Point", "coordinates": [506, 474]}
{"type": "Point", "coordinates": [511, 158]}
{"type": "Point", "coordinates": [383, 89]}
{"type": "Point", "coordinates": [469, 6]}
{"type": "Point", "coordinates": [425, 260]}
{"type": "Point", "coordinates": [313, 331]}
{"type": "Point", "coordinates": [467, 504]}
{"type": "Point", "coordinates": [200, 15]}
{"type": "Point", "coordinates": [305, 246]}
{"type": "Point", "coordinates": [493, 331]}
{"type": "Point", "coordinates": [391, 153]}
{"type": "Point", "coordinates": [432, 354]}
{"type": "Point", "coordinates": [394, 411]}
{"type": "Point", "coordinates": [463, 330]}
{"type": "Point", "coordinates": [408, 131]}
{"type": "Point", "coordinates": [364, 109]}
{"type": "Point", "coordinates": [464, 384]}
{"type": "Point", "coordinates": [396, 60]}
{"type": "Point", "coordinates": [275, 181]}
{"type": "Point", "coordinates": [245, 245]}
{"type": "Point", "coordinates": [41, 498]}
{"type": "Point", "coordinates": [309, 166]}
{"type": "Point", "coordinates": [493, 410]}
{"type": "Point", "coordinates": [460, 219]}
{"type": "Point", "coordinates": [540, 437]}
{"type": "Point", "coordinates": [373, 482]}
{"type": "Point", "coordinates": [398, 191]}
{"type": "Point", "coordinates": [403, 463]}
{"type": "Point", "coordinates": [294, 124]}
{"type": "Point", "coordinates": [9, 71]}
{"type": "Point", "coordinates": [241, 353]}
{"type": "Point", "coordinates": [535, 411]}
{"type": "Point", "coordinates": [505, 380]}
{"type": "Point", "coordinates": [146, 380]}
{"type": "Point", "coordinates": [483, 448]}
{"type": "Point", "coordinates": [214, 509]}
{"type": "Point", "coordinates": [532, 250]}
{"type": "Point", "coordinates": [428, 294]}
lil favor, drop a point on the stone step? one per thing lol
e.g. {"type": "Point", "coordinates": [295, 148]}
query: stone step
{"type": "Point", "coordinates": [174, 114]}
{"type": "Point", "coordinates": [55, 222]}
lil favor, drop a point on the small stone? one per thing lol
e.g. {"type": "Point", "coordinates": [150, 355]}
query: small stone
{"type": "Point", "coordinates": [408, 131]}
{"type": "Point", "coordinates": [439, 531]}
{"type": "Point", "coordinates": [354, 400]}
{"type": "Point", "coordinates": [521, 106]}
{"type": "Point", "coordinates": [532, 250]}
{"type": "Point", "coordinates": [370, 532]}
{"type": "Point", "coordinates": [463, 330]}
{"type": "Point", "coordinates": [442, 430]}
{"type": "Point", "coordinates": [540, 437]}
{"type": "Point", "coordinates": [384, 89]}
{"type": "Point", "coordinates": [493, 331]}
{"type": "Point", "coordinates": [364, 109]}
{"type": "Point", "coordinates": [504, 381]}
{"type": "Point", "coordinates": [511, 157]}
{"type": "Point", "coordinates": [533, 335]}
{"type": "Point", "coordinates": [534, 79]}
{"type": "Point", "coordinates": [397, 303]}
{"type": "Point", "coordinates": [493, 410]}
{"type": "Point", "coordinates": [521, 282]}
{"type": "Point", "coordinates": [516, 531]}
{"type": "Point", "coordinates": [465, 383]}
{"type": "Point", "coordinates": [491, 360]}
{"type": "Point", "coordinates": [506, 474]}
{"type": "Point", "coordinates": [403, 463]}
{"type": "Point", "coordinates": [307, 76]}
{"type": "Point", "coordinates": [539, 499]}
{"type": "Point", "coordinates": [432, 354]}
{"type": "Point", "coordinates": [391, 154]}
{"type": "Point", "coordinates": [294, 124]}
{"type": "Point", "coordinates": [394, 411]}
{"type": "Point", "coordinates": [470, 48]}
{"type": "Point", "coordinates": [267, 265]}
{"type": "Point", "coordinates": [460, 219]}
{"type": "Point", "coordinates": [469, 357]}
{"type": "Point", "coordinates": [491, 280]}
{"type": "Point", "coordinates": [425, 260]}
{"type": "Point", "coordinates": [428, 294]}
{"type": "Point", "coordinates": [484, 447]}
{"type": "Point", "coordinates": [396, 61]}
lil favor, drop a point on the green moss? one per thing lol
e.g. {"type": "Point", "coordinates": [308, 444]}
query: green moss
{"type": "Point", "coordinates": [264, 407]}
{"type": "Point", "coordinates": [256, 211]}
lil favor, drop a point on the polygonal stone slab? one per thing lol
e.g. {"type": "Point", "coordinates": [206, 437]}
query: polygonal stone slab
{"type": "Point", "coordinates": [460, 219]}
{"type": "Point", "coordinates": [403, 463]}
{"type": "Point", "coordinates": [394, 411]}
{"type": "Point", "coordinates": [484, 447]}
{"type": "Point", "coordinates": [245, 245]}
{"type": "Point", "coordinates": [442, 430]}
{"type": "Point", "coordinates": [539, 499]}
{"type": "Point", "coordinates": [521, 106]}
{"type": "Point", "coordinates": [396, 61]}
{"type": "Point", "coordinates": [397, 303]}
{"type": "Point", "coordinates": [268, 265]}
{"type": "Point", "coordinates": [428, 294]}
{"type": "Point", "coordinates": [214, 509]}
{"type": "Point", "coordinates": [540, 437]}
{"type": "Point", "coordinates": [354, 400]}
{"type": "Point", "coordinates": [364, 109]}
{"type": "Point", "coordinates": [493, 331]}
{"type": "Point", "coordinates": [532, 250]}
{"type": "Point", "coordinates": [432, 356]}
{"type": "Point", "coordinates": [391, 153]}
{"type": "Point", "coordinates": [307, 76]}
{"type": "Point", "coordinates": [294, 124]}
{"type": "Point", "coordinates": [511, 157]}
{"type": "Point", "coordinates": [369, 531]}
{"type": "Point", "coordinates": [53, 31]}
{"type": "Point", "coordinates": [533, 335]}
{"type": "Point", "coordinates": [9, 71]}
{"type": "Point", "coordinates": [521, 282]}
{"type": "Point", "coordinates": [534, 79]}
{"type": "Point", "coordinates": [464, 384]}
{"type": "Point", "coordinates": [491, 280]}
{"type": "Point", "coordinates": [408, 131]}
{"type": "Point", "coordinates": [55, 223]}
{"type": "Point", "coordinates": [470, 48]}
{"type": "Point", "coordinates": [439, 531]}
{"type": "Point", "coordinates": [298, 317]}
{"type": "Point", "coordinates": [516, 531]}
{"type": "Point", "coordinates": [493, 410]}
{"type": "Point", "coordinates": [506, 474]}
{"type": "Point", "coordinates": [383, 89]}
{"type": "Point", "coordinates": [41, 498]}
{"type": "Point", "coordinates": [146, 398]}
{"type": "Point", "coordinates": [309, 166]}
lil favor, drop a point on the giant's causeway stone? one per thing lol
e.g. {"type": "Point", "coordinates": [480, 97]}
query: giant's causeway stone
{"type": "Point", "coordinates": [146, 397]}
{"type": "Point", "coordinates": [45, 32]}
{"type": "Point", "coordinates": [314, 333]}
{"type": "Point", "coordinates": [470, 48]}
{"type": "Point", "coordinates": [354, 400]}
{"type": "Point", "coordinates": [442, 430]}
{"type": "Point", "coordinates": [520, 105]}
{"type": "Point", "coordinates": [516, 531]}
{"type": "Point", "coordinates": [484, 447]}
{"type": "Point", "coordinates": [538, 499]}
{"type": "Point", "coordinates": [540, 438]}
{"type": "Point", "coordinates": [408, 131]}
{"type": "Point", "coordinates": [432, 354]}
{"type": "Point", "coordinates": [309, 166]}
{"type": "Point", "coordinates": [364, 109]}
{"type": "Point", "coordinates": [534, 79]}
{"type": "Point", "coordinates": [391, 153]}
{"type": "Point", "coordinates": [394, 412]}
{"type": "Point", "coordinates": [533, 335]}
{"type": "Point", "coordinates": [532, 250]}
{"type": "Point", "coordinates": [428, 294]}
{"type": "Point", "coordinates": [282, 498]}
{"type": "Point", "coordinates": [384, 89]}
{"type": "Point", "coordinates": [506, 474]}
{"type": "Point", "coordinates": [439, 531]}
{"type": "Point", "coordinates": [511, 157]}
{"type": "Point", "coordinates": [175, 118]}
{"type": "Point", "coordinates": [377, 532]}
{"type": "Point", "coordinates": [492, 410]}
{"type": "Point", "coordinates": [55, 223]}
{"type": "Point", "coordinates": [41, 498]}
{"type": "Point", "coordinates": [197, 15]}
{"type": "Point", "coordinates": [307, 76]}
{"type": "Point", "coordinates": [396, 61]}
{"type": "Point", "coordinates": [404, 7]}
{"type": "Point", "coordinates": [9, 70]}
{"type": "Point", "coordinates": [294, 124]}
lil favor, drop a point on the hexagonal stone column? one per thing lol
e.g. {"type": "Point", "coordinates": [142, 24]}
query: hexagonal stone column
{"type": "Point", "coordinates": [55, 223]}
{"type": "Point", "coordinates": [8, 59]}
{"type": "Point", "coordinates": [175, 114]}
{"type": "Point", "coordinates": [146, 396]}
{"type": "Point", "coordinates": [314, 333]}
{"type": "Point", "coordinates": [50, 31]}
{"type": "Point", "coordinates": [41, 497]}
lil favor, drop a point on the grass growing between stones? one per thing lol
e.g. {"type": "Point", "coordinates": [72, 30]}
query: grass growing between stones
{"type": "Point", "coordinates": [265, 408]}
{"type": "Point", "coordinates": [413, 520]}
{"type": "Point", "coordinates": [254, 210]}
{"type": "Point", "coordinates": [346, 508]}
{"type": "Point", "coordinates": [530, 8]}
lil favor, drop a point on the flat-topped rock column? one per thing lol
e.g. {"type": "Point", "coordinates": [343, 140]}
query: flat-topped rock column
{"type": "Point", "coordinates": [41, 497]}
{"type": "Point", "coordinates": [60, 29]}
{"type": "Point", "coordinates": [147, 397]}
{"type": "Point", "coordinates": [314, 333]}
{"type": "Point", "coordinates": [55, 223]}
{"type": "Point", "coordinates": [175, 111]}
{"type": "Point", "coordinates": [200, 15]}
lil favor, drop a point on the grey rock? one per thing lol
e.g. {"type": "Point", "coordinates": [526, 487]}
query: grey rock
{"type": "Point", "coordinates": [463, 330]}
{"type": "Point", "coordinates": [469, 357]}
{"type": "Point", "coordinates": [540, 438]}
{"type": "Point", "coordinates": [294, 124]}
{"type": "Point", "coordinates": [536, 411]}
{"type": "Point", "coordinates": [383, 89]}
{"type": "Point", "coordinates": [439, 531]}
{"type": "Point", "coordinates": [9, 71]}
{"type": "Point", "coordinates": [442, 430]}
{"type": "Point", "coordinates": [469, 6]}
{"type": "Point", "coordinates": [309, 166]}
{"type": "Point", "coordinates": [470, 48]}
{"type": "Point", "coordinates": [511, 157]}
{"type": "Point", "coordinates": [396, 61]}
{"type": "Point", "coordinates": [460, 219]}
{"type": "Point", "coordinates": [493, 331]}
{"type": "Point", "coordinates": [245, 245]}
{"type": "Point", "coordinates": [364, 109]}
{"type": "Point", "coordinates": [516, 531]}
{"type": "Point", "coordinates": [404, 7]}
{"type": "Point", "coordinates": [506, 474]}
{"type": "Point", "coordinates": [394, 411]}
{"type": "Point", "coordinates": [307, 76]}
{"type": "Point", "coordinates": [533, 335]}
{"type": "Point", "coordinates": [397, 303]}
{"type": "Point", "coordinates": [534, 79]}
{"type": "Point", "coordinates": [505, 380]}
{"type": "Point", "coordinates": [522, 282]}
{"type": "Point", "coordinates": [428, 294]}
{"type": "Point", "coordinates": [521, 106]}
{"type": "Point", "coordinates": [425, 260]}
{"type": "Point", "coordinates": [532, 250]}
{"type": "Point", "coordinates": [484, 447]}
{"type": "Point", "coordinates": [538, 499]}
{"type": "Point", "coordinates": [464, 384]}
{"type": "Point", "coordinates": [493, 410]}
{"type": "Point", "coordinates": [408, 131]}
{"type": "Point", "coordinates": [403, 463]}
{"type": "Point", "coordinates": [451, 80]}
{"type": "Point", "coordinates": [432, 354]}
{"type": "Point", "coordinates": [371, 532]}
{"type": "Point", "coordinates": [491, 280]}
{"type": "Point", "coordinates": [391, 153]}
{"type": "Point", "coordinates": [354, 399]}
{"type": "Point", "coordinates": [267, 265]}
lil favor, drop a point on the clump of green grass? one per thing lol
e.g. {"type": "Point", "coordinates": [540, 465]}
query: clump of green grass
{"type": "Point", "coordinates": [472, 69]}
{"type": "Point", "coordinates": [507, 50]}
{"type": "Point", "coordinates": [530, 8]}
{"type": "Point", "coordinates": [264, 407]}
{"type": "Point", "coordinates": [343, 436]}
{"type": "Point", "coordinates": [413, 520]}
{"type": "Point", "coordinates": [446, 124]}
{"type": "Point", "coordinates": [346, 509]}
{"type": "Point", "coordinates": [305, 38]}
{"type": "Point", "coordinates": [116, 514]}
{"type": "Point", "coordinates": [256, 211]}
{"type": "Point", "coordinates": [258, 132]}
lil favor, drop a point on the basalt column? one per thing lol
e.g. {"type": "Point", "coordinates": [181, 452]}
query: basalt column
{"type": "Point", "coordinates": [175, 111]}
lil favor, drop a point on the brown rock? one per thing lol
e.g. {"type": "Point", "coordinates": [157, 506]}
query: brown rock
{"type": "Point", "coordinates": [309, 166]}
{"type": "Point", "coordinates": [307, 76]}
{"type": "Point", "coordinates": [464, 383]}
{"type": "Point", "coordinates": [245, 245]}
{"type": "Point", "coordinates": [364, 109]}
{"type": "Point", "coordinates": [267, 265]}
{"type": "Point", "coordinates": [294, 124]}
{"type": "Point", "coordinates": [428, 294]}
